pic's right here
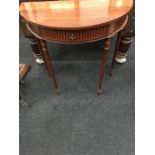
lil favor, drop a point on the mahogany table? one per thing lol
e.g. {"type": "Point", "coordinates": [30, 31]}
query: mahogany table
{"type": "Point", "coordinates": [74, 22]}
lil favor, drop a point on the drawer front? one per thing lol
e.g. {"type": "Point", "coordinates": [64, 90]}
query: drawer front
{"type": "Point", "coordinates": [71, 36]}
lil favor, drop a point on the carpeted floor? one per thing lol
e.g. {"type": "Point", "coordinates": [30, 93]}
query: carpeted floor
{"type": "Point", "coordinates": [77, 122]}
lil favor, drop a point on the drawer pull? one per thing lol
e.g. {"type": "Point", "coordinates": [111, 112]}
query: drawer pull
{"type": "Point", "coordinates": [72, 36]}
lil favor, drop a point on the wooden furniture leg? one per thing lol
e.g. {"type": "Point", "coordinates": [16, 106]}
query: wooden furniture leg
{"type": "Point", "coordinates": [22, 101]}
{"type": "Point", "coordinates": [103, 64]}
{"type": "Point", "coordinates": [42, 54]}
{"type": "Point", "coordinates": [36, 50]}
{"type": "Point", "coordinates": [31, 40]}
{"type": "Point", "coordinates": [49, 65]}
{"type": "Point", "coordinates": [122, 51]}
{"type": "Point", "coordinates": [115, 52]}
{"type": "Point", "coordinates": [40, 51]}
{"type": "Point", "coordinates": [23, 69]}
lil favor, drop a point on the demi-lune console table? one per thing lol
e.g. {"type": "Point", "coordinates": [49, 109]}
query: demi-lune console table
{"type": "Point", "coordinates": [75, 22]}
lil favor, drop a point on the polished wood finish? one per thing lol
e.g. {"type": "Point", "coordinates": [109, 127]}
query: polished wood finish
{"type": "Point", "coordinates": [75, 21]}
{"type": "Point", "coordinates": [85, 21]}
{"type": "Point", "coordinates": [23, 69]}
{"type": "Point", "coordinates": [124, 40]}
{"type": "Point", "coordinates": [74, 14]}
{"type": "Point", "coordinates": [103, 64]}
{"type": "Point", "coordinates": [31, 40]}
{"type": "Point", "coordinates": [77, 36]}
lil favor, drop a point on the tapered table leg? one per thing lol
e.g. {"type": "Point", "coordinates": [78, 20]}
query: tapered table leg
{"type": "Point", "coordinates": [103, 64]}
{"type": "Point", "coordinates": [115, 52]}
{"type": "Point", "coordinates": [49, 65]}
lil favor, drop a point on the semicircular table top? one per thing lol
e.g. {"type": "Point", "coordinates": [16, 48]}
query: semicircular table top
{"type": "Point", "coordinates": [74, 13]}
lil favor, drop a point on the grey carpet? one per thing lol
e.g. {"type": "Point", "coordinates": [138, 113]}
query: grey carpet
{"type": "Point", "coordinates": [77, 122]}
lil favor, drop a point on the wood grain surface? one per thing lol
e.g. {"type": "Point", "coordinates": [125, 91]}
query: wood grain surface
{"type": "Point", "coordinates": [74, 13]}
{"type": "Point", "coordinates": [23, 69]}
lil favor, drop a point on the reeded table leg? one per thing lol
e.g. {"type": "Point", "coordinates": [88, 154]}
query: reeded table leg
{"type": "Point", "coordinates": [115, 52]}
{"type": "Point", "coordinates": [49, 65]}
{"type": "Point", "coordinates": [103, 64]}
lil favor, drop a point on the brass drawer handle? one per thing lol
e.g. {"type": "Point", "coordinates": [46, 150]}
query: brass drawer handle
{"type": "Point", "coordinates": [72, 36]}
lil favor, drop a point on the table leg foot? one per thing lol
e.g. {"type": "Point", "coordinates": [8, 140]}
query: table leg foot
{"type": "Point", "coordinates": [99, 92]}
{"type": "Point", "coordinates": [58, 92]}
{"type": "Point", "coordinates": [23, 102]}
{"type": "Point", "coordinates": [48, 62]}
{"type": "Point", "coordinates": [111, 72]}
